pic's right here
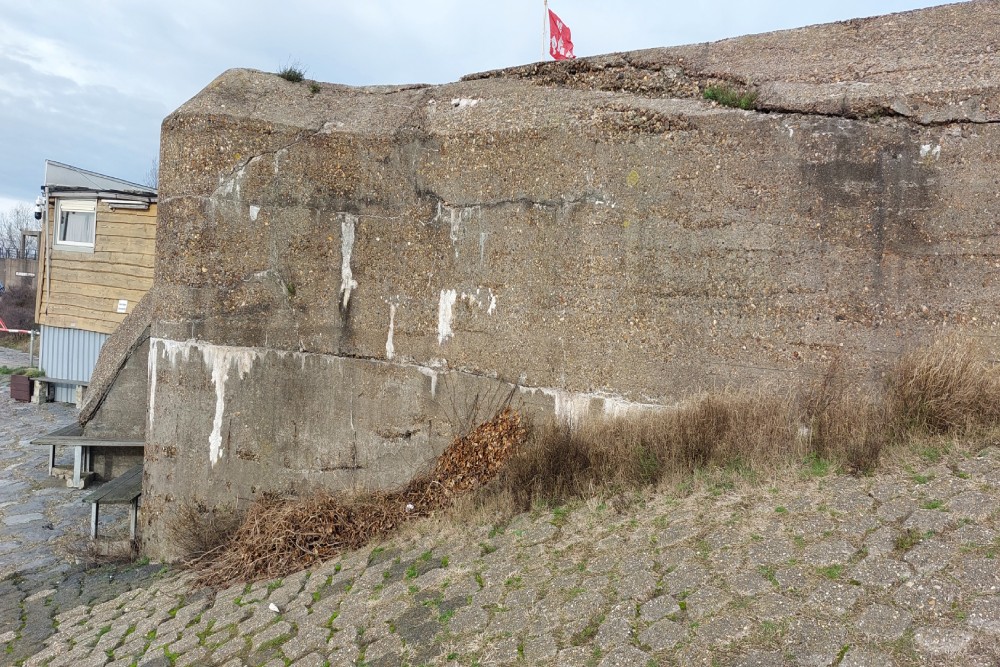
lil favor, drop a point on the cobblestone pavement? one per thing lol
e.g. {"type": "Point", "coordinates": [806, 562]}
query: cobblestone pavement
{"type": "Point", "coordinates": [35, 510]}
{"type": "Point", "coordinates": [898, 569]}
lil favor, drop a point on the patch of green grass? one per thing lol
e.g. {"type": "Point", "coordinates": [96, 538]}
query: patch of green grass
{"type": "Point", "coordinates": [22, 370]}
{"type": "Point", "coordinates": [446, 616]}
{"type": "Point", "coordinates": [411, 572]}
{"type": "Point", "coordinates": [703, 548]}
{"type": "Point", "coordinates": [922, 479]}
{"type": "Point", "coordinates": [513, 582]}
{"type": "Point", "coordinates": [728, 96]}
{"type": "Point", "coordinates": [768, 572]}
{"type": "Point", "coordinates": [589, 631]}
{"type": "Point", "coordinates": [817, 466]}
{"type": "Point", "coordinates": [485, 548]}
{"type": "Point", "coordinates": [444, 561]}
{"type": "Point", "coordinates": [909, 539]}
{"type": "Point", "coordinates": [931, 454]}
{"type": "Point", "coordinates": [314, 88]}
{"type": "Point", "coordinates": [559, 515]}
{"type": "Point", "coordinates": [831, 571]}
{"type": "Point", "coordinates": [781, 510]}
{"type": "Point", "coordinates": [479, 580]}
{"type": "Point", "coordinates": [933, 504]}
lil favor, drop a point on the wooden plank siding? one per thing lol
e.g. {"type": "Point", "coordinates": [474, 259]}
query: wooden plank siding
{"type": "Point", "coordinates": [82, 289]}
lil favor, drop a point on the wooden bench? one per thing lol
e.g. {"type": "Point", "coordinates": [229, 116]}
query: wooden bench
{"type": "Point", "coordinates": [42, 389]}
{"type": "Point", "coordinates": [124, 489]}
{"type": "Point", "coordinates": [83, 456]}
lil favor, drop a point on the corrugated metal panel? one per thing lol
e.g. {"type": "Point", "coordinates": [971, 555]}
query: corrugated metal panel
{"type": "Point", "coordinates": [69, 354]}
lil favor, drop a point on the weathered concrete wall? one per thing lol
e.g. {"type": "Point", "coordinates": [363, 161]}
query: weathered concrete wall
{"type": "Point", "coordinates": [329, 263]}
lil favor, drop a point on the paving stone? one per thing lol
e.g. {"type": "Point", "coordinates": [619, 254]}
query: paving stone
{"type": "Point", "coordinates": [811, 524]}
{"type": "Point", "coordinates": [897, 509]}
{"type": "Point", "coordinates": [748, 583]}
{"type": "Point", "coordinates": [614, 631]}
{"type": "Point", "coordinates": [310, 660]}
{"type": "Point", "coordinates": [929, 521]}
{"type": "Point", "coordinates": [706, 601]}
{"type": "Point", "coordinates": [772, 606]}
{"type": "Point", "coordinates": [979, 575]}
{"type": "Point", "coordinates": [625, 656]}
{"type": "Point", "coordinates": [941, 641]}
{"type": "Point", "coordinates": [928, 556]}
{"type": "Point", "coordinates": [794, 578]}
{"type": "Point", "coordinates": [574, 656]}
{"type": "Point", "coordinates": [881, 572]}
{"type": "Point", "coordinates": [724, 630]}
{"type": "Point", "coordinates": [756, 658]}
{"type": "Point", "coordinates": [883, 622]}
{"type": "Point", "coordinates": [851, 501]}
{"type": "Point", "coordinates": [863, 657]}
{"type": "Point", "coordinates": [881, 542]}
{"type": "Point", "coordinates": [834, 597]}
{"type": "Point", "coordinates": [539, 648]}
{"type": "Point", "coordinates": [828, 552]}
{"type": "Point", "coordinates": [675, 534]}
{"type": "Point", "coordinates": [973, 505]}
{"type": "Point", "coordinates": [637, 586]}
{"type": "Point", "coordinates": [662, 635]}
{"type": "Point", "coordinates": [984, 614]}
{"type": "Point", "coordinates": [927, 597]}
{"type": "Point", "coordinates": [657, 608]}
{"type": "Point", "coordinates": [687, 577]}
{"type": "Point", "coordinates": [770, 551]}
{"type": "Point", "coordinates": [814, 643]}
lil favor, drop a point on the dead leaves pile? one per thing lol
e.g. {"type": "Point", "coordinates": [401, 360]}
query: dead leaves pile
{"type": "Point", "coordinates": [283, 534]}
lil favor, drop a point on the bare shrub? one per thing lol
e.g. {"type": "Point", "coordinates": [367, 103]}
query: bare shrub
{"type": "Point", "coordinates": [611, 456]}
{"type": "Point", "coordinates": [847, 421]}
{"type": "Point", "coordinates": [950, 385]}
{"type": "Point", "coordinates": [17, 307]}
{"type": "Point", "coordinates": [197, 531]}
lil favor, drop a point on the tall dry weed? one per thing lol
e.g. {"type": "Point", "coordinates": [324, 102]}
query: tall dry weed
{"type": "Point", "coordinates": [846, 419]}
{"type": "Point", "coordinates": [951, 385]}
{"type": "Point", "coordinates": [618, 455]}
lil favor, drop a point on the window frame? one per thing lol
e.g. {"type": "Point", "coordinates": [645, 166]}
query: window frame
{"type": "Point", "coordinates": [74, 206]}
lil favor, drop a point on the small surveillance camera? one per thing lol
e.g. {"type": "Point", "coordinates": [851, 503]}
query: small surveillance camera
{"type": "Point", "coordinates": [38, 208]}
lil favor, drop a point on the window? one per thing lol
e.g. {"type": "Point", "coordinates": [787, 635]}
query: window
{"type": "Point", "coordinates": [76, 220]}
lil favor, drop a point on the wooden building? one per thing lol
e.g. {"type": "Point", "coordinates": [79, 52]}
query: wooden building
{"type": "Point", "coordinates": [96, 257]}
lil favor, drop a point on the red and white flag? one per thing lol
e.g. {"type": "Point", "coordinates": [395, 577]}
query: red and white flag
{"type": "Point", "coordinates": [560, 40]}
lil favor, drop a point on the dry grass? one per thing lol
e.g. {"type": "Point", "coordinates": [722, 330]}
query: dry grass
{"type": "Point", "coordinates": [838, 422]}
{"type": "Point", "coordinates": [952, 385]}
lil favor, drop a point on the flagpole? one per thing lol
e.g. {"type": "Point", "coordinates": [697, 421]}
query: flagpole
{"type": "Point", "coordinates": [545, 24]}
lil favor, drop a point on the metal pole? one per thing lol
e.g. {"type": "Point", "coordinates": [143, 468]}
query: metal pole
{"type": "Point", "coordinates": [31, 350]}
{"type": "Point", "coordinates": [545, 25]}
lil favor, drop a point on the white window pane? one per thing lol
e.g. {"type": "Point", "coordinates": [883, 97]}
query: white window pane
{"type": "Point", "coordinates": [77, 227]}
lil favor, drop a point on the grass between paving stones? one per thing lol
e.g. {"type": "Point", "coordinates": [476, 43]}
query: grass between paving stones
{"type": "Point", "coordinates": [935, 402]}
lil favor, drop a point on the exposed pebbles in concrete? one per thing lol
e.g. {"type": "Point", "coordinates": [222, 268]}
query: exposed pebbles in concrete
{"type": "Point", "coordinates": [833, 570]}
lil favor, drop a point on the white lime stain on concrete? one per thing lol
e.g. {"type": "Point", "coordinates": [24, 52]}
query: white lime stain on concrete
{"type": "Point", "coordinates": [446, 305]}
{"type": "Point", "coordinates": [390, 349]}
{"type": "Point", "coordinates": [347, 282]}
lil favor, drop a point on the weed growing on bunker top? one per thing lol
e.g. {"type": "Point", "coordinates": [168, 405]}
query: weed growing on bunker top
{"type": "Point", "coordinates": [728, 96]}
{"type": "Point", "coordinates": [293, 72]}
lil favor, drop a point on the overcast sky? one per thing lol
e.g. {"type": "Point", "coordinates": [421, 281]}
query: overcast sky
{"type": "Point", "coordinates": [87, 82]}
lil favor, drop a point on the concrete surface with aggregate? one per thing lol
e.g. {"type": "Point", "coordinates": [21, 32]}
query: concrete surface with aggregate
{"type": "Point", "coordinates": [896, 569]}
